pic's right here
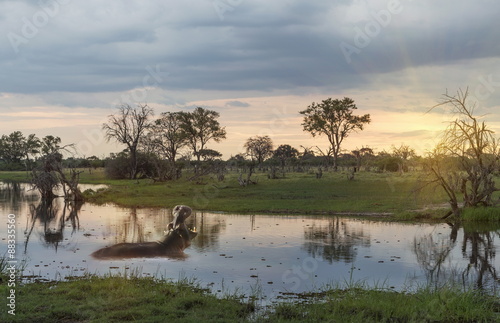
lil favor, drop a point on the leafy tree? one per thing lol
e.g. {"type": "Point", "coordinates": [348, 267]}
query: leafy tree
{"type": "Point", "coordinates": [12, 147]}
{"type": "Point", "coordinates": [15, 148]}
{"type": "Point", "coordinates": [199, 127]}
{"type": "Point", "coordinates": [335, 120]}
{"type": "Point", "coordinates": [285, 153]}
{"type": "Point", "coordinates": [32, 147]}
{"type": "Point", "coordinates": [403, 153]}
{"type": "Point", "coordinates": [128, 127]}
{"type": "Point", "coordinates": [386, 162]}
{"type": "Point", "coordinates": [169, 135]}
{"type": "Point", "coordinates": [50, 144]}
{"type": "Point", "coordinates": [259, 148]}
{"type": "Point", "coordinates": [209, 154]}
{"type": "Point", "coordinates": [359, 154]}
{"type": "Point", "coordinates": [164, 140]}
{"type": "Point", "coordinates": [467, 157]}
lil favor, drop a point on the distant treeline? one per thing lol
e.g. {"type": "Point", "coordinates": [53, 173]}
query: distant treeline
{"type": "Point", "coordinates": [18, 152]}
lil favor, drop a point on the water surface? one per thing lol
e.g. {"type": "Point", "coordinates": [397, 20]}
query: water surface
{"type": "Point", "coordinates": [264, 254]}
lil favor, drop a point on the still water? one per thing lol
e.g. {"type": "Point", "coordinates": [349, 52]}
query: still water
{"type": "Point", "coordinates": [267, 255]}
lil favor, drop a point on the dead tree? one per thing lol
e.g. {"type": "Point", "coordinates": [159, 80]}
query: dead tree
{"type": "Point", "coordinates": [468, 152]}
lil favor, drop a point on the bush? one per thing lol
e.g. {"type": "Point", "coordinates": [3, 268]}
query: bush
{"type": "Point", "coordinates": [118, 168]}
{"type": "Point", "coordinates": [4, 166]}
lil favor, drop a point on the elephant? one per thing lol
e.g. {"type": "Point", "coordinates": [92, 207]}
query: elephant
{"type": "Point", "coordinates": [172, 245]}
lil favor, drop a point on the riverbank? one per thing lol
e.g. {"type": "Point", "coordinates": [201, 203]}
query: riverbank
{"type": "Point", "coordinates": [369, 194]}
{"type": "Point", "coordinates": [120, 299]}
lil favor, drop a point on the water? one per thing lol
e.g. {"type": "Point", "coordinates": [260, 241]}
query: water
{"type": "Point", "coordinates": [268, 256]}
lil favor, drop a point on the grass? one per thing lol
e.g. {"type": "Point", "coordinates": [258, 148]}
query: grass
{"type": "Point", "coordinates": [120, 299]}
{"type": "Point", "coordinates": [481, 214]}
{"type": "Point", "coordinates": [296, 193]}
{"type": "Point", "coordinates": [139, 299]}
{"type": "Point", "coordinates": [361, 305]}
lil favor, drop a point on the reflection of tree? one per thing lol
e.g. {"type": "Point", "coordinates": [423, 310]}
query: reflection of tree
{"type": "Point", "coordinates": [208, 232]}
{"type": "Point", "coordinates": [12, 193]}
{"type": "Point", "coordinates": [53, 216]}
{"type": "Point", "coordinates": [131, 229]}
{"type": "Point", "coordinates": [481, 254]}
{"type": "Point", "coordinates": [431, 252]}
{"type": "Point", "coordinates": [335, 242]}
{"type": "Point", "coordinates": [477, 246]}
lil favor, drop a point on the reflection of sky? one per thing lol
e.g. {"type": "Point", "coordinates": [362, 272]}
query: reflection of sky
{"type": "Point", "coordinates": [238, 252]}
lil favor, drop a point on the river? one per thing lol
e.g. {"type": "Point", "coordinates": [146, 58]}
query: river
{"type": "Point", "coordinates": [269, 256]}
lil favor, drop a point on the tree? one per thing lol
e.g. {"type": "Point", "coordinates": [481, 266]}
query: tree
{"type": "Point", "coordinates": [15, 148]}
{"type": "Point", "coordinates": [32, 147]}
{"type": "Point", "coordinates": [127, 128]}
{"type": "Point", "coordinates": [50, 144]}
{"type": "Point", "coordinates": [50, 172]}
{"type": "Point", "coordinates": [403, 153]}
{"type": "Point", "coordinates": [259, 148]}
{"type": "Point", "coordinates": [199, 127]}
{"type": "Point", "coordinates": [335, 120]}
{"type": "Point", "coordinates": [12, 147]}
{"type": "Point", "coordinates": [466, 158]}
{"type": "Point", "coordinates": [359, 154]}
{"type": "Point", "coordinates": [170, 137]}
{"type": "Point", "coordinates": [285, 153]}
{"type": "Point", "coordinates": [165, 139]}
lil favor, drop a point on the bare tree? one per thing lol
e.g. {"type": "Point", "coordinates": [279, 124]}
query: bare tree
{"type": "Point", "coordinates": [335, 120]}
{"type": "Point", "coordinates": [127, 127]}
{"type": "Point", "coordinates": [51, 174]}
{"type": "Point", "coordinates": [466, 158]}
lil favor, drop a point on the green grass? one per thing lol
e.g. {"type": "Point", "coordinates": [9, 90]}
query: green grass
{"type": "Point", "coordinates": [298, 193]}
{"type": "Point", "coordinates": [361, 305]}
{"type": "Point", "coordinates": [481, 214]}
{"type": "Point", "coordinates": [121, 299]}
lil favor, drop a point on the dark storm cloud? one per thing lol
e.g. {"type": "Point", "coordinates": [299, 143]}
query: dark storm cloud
{"type": "Point", "coordinates": [254, 45]}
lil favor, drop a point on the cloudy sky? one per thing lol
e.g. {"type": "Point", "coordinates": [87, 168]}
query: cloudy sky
{"type": "Point", "coordinates": [66, 64]}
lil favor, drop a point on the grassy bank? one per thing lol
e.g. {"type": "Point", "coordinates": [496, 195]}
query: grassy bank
{"type": "Point", "coordinates": [119, 299]}
{"type": "Point", "coordinates": [389, 195]}
{"type": "Point", "coordinates": [296, 193]}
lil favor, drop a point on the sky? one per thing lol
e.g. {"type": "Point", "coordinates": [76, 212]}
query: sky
{"type": "Point", "coordinates": [65, 65]}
